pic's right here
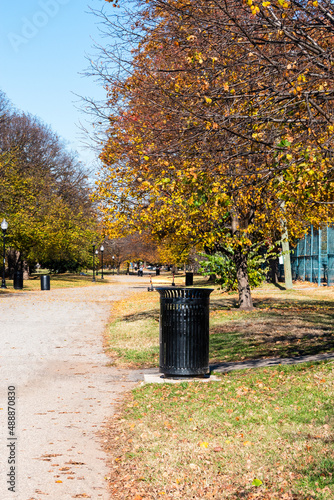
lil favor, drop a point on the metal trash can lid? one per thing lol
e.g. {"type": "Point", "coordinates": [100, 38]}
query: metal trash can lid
{"type": "Point", "coordinates": [183, 293]}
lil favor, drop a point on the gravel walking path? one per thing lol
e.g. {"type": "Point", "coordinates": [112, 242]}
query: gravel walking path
{"type": "Point", "coordinates": [52, 352]}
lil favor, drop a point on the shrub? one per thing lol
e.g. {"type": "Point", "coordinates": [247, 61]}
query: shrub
{"type": "Point", "coordinates": [225, 271]}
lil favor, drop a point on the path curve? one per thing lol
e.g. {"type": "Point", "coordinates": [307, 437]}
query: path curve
{"type": "Point", "coordinates": [51, 351]}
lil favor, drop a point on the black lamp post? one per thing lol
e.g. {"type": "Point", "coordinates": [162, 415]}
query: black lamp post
{"type": "Point", "coordinates": [102, 250]}
{"type": "Point", "coordinates": [93, 262]}
{"type": "Point", "coordinates": [113, 265]}
{"type": "Point", "coordinates": [97, 265]}
{"type": "Point", "coordinates": [4, 226]}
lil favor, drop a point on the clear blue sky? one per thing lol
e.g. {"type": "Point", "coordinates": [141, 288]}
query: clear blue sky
{"type": "Point", "coordinates": [43, 49]}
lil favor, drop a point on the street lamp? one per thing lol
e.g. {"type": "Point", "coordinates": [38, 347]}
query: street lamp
{"type": "Point", "coordinates": [113, 265]}
{"type": "Point", "coordinates": [97, 265]}
{"type": "Point", "coordinates": [102, 250]}
{"type": "Point", "coordinates": [4, 226]}
{"type": "Point", "coordinates": [93, 262]}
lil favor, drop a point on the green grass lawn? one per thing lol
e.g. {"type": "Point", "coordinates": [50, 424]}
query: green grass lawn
{"type": "Point", "coordinates": [264, 434]}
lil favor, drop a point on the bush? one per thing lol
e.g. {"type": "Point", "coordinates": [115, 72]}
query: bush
{"type": "Point", "coordinates": [225, 271]}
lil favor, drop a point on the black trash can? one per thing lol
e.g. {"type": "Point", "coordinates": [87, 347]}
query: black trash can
{"type": "Point", "coordinates": [157, 272]}
{"type": "Point", "coordinates": [18, 280]}
{"type": "Point", "coordinates": [189, 279]}
{"type": "Point", "coordinates": [45, 282]}
{"type": "Point", "coordinates": [184, 331]}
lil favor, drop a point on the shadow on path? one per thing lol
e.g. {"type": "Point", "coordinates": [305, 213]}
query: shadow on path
{"type": "Point", "coordinates": [260, 363]}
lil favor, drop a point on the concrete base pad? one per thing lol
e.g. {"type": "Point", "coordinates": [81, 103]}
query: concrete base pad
{"type": "Point", "coordinates": [159, 378]}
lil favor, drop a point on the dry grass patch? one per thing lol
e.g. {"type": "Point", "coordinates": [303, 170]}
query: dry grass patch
{"type": "Point", "coordinates": [132, 338]}
{"type": "Point", "coordinates": [284, 323]}
{"type": "Point", "coordinates": [66, 280]}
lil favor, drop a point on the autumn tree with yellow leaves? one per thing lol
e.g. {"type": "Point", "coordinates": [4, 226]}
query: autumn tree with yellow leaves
{"type": "Point", "coordinates": [220, 123]}
{"type": "Point", "coordinates": [44, 196]}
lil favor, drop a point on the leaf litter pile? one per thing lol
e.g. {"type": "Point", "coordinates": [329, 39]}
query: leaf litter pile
{"type": "Point", "coordinates": [258, 434]}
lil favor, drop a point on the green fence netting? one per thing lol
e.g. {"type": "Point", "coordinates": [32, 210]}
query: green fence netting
{"type": "Point", "coordinates": [313, 257]}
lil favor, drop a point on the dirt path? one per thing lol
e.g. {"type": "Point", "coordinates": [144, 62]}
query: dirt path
{"type": "Point", "coordinates": [51, 351]}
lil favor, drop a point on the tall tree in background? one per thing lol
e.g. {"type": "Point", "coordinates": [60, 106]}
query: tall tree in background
{"type": "Point", "coordinates": [220, 124]}
{"type": "Point", "coordinates": [132, 248]}
{"type": "Point", "coordinates": [44, 195]}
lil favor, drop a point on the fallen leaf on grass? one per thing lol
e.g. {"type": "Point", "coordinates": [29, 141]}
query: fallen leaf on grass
{"type": "Point", "coordinates": [204, 444]}
{"type": "Point", "coordinates": [256, 482]}
{"type": "Point", "coordinates": [53, 455]}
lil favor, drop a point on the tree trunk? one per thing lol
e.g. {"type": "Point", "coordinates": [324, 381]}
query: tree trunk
{"type": "Point", "coordinates": [26, 270]}
{"type": "Point", "coordinates": [245, 297]}
{"type": "Point", "coordinates": [273, 270]}
{"type": "Point", "coordinates": [240, 260]}
{"type": "Point", "coordinates": [286, 261]}
{"type": "Point", "coordinates": [286, 253]}
{"type": "Point", "coordinates": [13, 259]}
